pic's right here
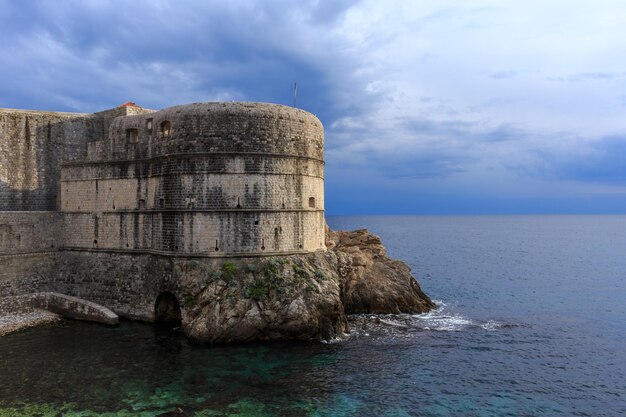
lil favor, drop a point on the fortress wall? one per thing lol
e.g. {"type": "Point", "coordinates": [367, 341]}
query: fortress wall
{"type": "Point", "coordinates": [28, 245]}
{"type": "Point", "coordinates": [188, 213]}
{"type": "Point", "coordinates": [107, 116]}
{"type": "Point", "coordinates": [32, 144]}
{"type": "Point", "coordinates": [217, 127]}
{"type": "Point", "coordinates": [242, 178]}
{"type": "Point", "coordinates": [246, 180]}
{"type": "Point", "coordinates": [28, 232]}
{"type": "Point", "coordinates": [194, 192]}
{"type": "Point", "coordinates": [233, 233]}
{"type": "Point", "coordinates": [27, 273]}
{"type": "Point", "coordinates": [201, 163]}
{"type": "Point", "coordinates": [128, 284]}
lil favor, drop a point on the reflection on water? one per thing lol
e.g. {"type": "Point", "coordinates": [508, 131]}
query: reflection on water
{"type": "Point", "coordinates": [137, 369]}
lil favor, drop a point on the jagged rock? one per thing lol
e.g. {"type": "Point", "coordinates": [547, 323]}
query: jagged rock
{"type": "Point", "coordinates": [297, 297]}
{"type": "Point", "coordinates": [287, 297]}
{"type": "Point", "coordinates": [371, 282]}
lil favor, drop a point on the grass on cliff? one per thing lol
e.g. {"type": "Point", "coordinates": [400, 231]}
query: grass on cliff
{"type": "Point", "coordinates": [257, 281]}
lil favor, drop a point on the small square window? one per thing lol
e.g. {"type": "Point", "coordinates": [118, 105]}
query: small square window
{"type": "Point", "coordinates": [166, 128]}
{"type": "Point", "coordinates": [132, 135]}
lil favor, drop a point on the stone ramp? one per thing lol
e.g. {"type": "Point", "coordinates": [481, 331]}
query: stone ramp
{"type": "Point", "coordinates": [74, 308]}
{"type": "Point", "coordinates": [13, 322]}
{"type": "Point", "coordinates": [17, 313]}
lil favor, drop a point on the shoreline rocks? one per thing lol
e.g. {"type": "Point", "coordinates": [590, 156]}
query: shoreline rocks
{"type": "Point", "coordinates": [304, 297]}
{"type": "Point", "coordinates": [278, 298]}
{"type": "Point", "coordinates": [371, 282]}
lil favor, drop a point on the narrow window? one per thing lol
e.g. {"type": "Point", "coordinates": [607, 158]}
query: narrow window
{"type": "Point", "coordinates": [312, 202]}
{"type": "Point", "coordinates": [166, 128]}
{"type": "Point", "coordinates": [216, 246]}
{"type": "Point", "coordinates": [149, 126]}
{"type": "Point", "coordinates": [142, 204]}
{"type": "Point", "coordinates": [131, 135]}
{"type": "Point", "coordinates": [161, 202]}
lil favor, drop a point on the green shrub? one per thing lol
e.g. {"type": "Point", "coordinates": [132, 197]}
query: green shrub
{"type": "Point", "coordinates": [214, 275]}
{"type": "Point", "coordinates": [190, 300]}
{"type": "Point", "coordinates": [299, 271]}
{"type": "Point", "coordinates": [320, 275]}
{"type": "Point", "coordinates": [229, 268]}
{"type": "Point", "coordinates": [193, 264]}
{"type": "Point", "coordinates": [258, 292]}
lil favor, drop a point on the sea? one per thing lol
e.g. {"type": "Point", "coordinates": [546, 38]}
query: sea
{"type": "Point", "coordinates": [531, 321]}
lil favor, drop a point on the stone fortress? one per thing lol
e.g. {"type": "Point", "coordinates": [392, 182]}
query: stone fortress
{"type": "Point", "coordinates": [88, 200]}
{"type": "Point", "coordinates": [210, 215]}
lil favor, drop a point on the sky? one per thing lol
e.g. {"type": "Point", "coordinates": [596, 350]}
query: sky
{"type": "Point", "coordinates": [429, 107]}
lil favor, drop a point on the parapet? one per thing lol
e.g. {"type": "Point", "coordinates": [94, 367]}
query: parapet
{"type": "Point", "coordinates": [215, 128]}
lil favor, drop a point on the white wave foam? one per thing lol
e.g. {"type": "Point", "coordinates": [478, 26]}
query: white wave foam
{"type": "Point", "coordinates": [491, 325]}
{"type": "Point", "coordinates": [439, 303]}
{"type": "Point", "coordinates": [391, 322]}
{"type": "Point", "coordinates": [338, 339]}
{"type": "Point", "coordinates": [444, 322]}
{"type": "Point", "coordinates": [443, 319]}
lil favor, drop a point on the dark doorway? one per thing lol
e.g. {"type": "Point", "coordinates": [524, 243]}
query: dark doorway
{"type": "Point", "coordinates": [167, 310]}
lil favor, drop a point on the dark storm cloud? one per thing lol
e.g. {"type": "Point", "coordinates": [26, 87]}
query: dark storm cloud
{"type": "Point", "coordinates": [89, 55]}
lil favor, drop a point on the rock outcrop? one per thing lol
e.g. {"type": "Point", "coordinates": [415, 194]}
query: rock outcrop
{"type": "Point", "coordinates": [279, 298]}
{"type": "Point", "coordinates": [370, 281]}
{"type": "Point", "coordinates": [297, 297]}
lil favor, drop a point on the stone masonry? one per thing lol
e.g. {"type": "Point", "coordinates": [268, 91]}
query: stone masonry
{"type": "Point", "coordinates": [105, 206]}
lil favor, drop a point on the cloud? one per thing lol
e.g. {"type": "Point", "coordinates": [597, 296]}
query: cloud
{"type": "Point", "coordinates": [587, 76]}
{"type": "Point", "coordinates": [447, 95]}
{"type": "Point", "coordinates": [85, 56]}
{"type": "Point", "coordinates": [503, 75]}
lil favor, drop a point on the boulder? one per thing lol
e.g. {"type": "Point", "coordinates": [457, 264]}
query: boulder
{"type": "Point", "coordinates": [278, 298]}
{"type": "Point", "coordinates": [370, 281]}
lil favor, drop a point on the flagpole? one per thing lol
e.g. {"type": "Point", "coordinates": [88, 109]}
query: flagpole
{"type": "Point", "coordinates": [295, 93]}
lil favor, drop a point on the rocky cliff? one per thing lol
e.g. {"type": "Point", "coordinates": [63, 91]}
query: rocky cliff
{"type": "Point", "coordinates": [297, 297]}
{"type": "Point", "coordinates": [370, 281]}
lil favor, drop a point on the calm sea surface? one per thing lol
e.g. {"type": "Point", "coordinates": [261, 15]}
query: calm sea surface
{"type": "Point", "coordinates": [532, 322]}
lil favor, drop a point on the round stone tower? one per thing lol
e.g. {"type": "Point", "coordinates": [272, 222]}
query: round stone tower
{"type": "Point", "coordinates": [209, 179]}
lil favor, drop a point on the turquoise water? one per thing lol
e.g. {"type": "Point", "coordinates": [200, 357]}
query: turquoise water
{"type": "Point", "coordinates": [532, 321]}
